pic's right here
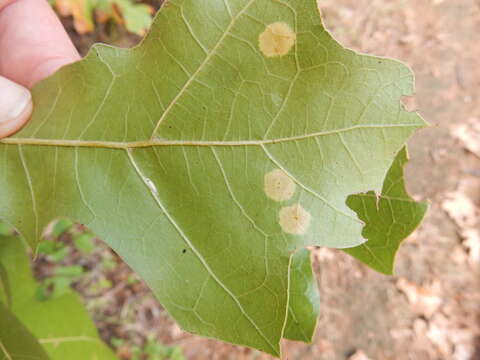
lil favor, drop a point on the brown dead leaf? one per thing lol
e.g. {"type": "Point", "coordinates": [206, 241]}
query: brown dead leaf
{"type": "Point", "coordinates": [359, 355]}
{"type": "Point", "coordinates": [79, 10]}
{"type": "Point", "coordinates": [472, 244]}
{"type": "Point", "coordinates": [124, 352]}
{"type": "Point", "coordinates": [459, 255]}
{"type": "Point", "coordinates": [453, 341]}
{"type": "Point", "coordinates": [469, 135]}
{"type": "Point", "coordinates": [101, 16]}
{"type": "Point", "coordinates": [420, 327]}
{"type": "Point", "coordinates": [461, 207]}
{"type": "Point", "coordinates": [424, 300]}
{"type": "Point", "coordinates": [82, 18]}
{"type": "Point", "coordinates": [117, 14]}
{"type": "Point", "coordinates": [438, 334]}
{"type": "Point", "coordinates": [64, 7]}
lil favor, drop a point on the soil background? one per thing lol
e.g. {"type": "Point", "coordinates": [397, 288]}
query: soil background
{"type": "Point", "coordinates": [431, 308]}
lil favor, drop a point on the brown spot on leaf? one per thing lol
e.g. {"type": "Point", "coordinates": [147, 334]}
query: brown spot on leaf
{"type": "Point", "coordinates": [277, 40]}
{"type": "Point", "coordinates": [278, 185]}
{"type": "Point", "coordinates": [294, 219]}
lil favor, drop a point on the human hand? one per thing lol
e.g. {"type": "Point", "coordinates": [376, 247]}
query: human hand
{"type": "Point", "coordinates": [33, 45]}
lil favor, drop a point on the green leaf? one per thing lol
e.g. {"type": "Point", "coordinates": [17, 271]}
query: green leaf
{"type": "Point", "coordinates": [61, 226]}
{"type": "Point", "coordinates": [16, 342]}
{"type": "Point", "coordinates": [157, 351]}
{"type": "Point", "coordinates": [205, 160]}
{"type": "Point", "coordinates": [59, 284]}
{"type": "Point", "coordinates": [85, 243]}
{"type": "Point", "coordinates": [137, 17]}
{"type": "Point", "coordinates": [69, 271]}
{"type": "Point", "coordinates": [62, 326]}
{"type": "Point", "coordinates": [47, 247]}
{"type": "Point", "coordinates": [60, 254]}
{"type": "Point", "coordinates": [303, 307]}
{"type": "Point", "coordinates": [389, 217]}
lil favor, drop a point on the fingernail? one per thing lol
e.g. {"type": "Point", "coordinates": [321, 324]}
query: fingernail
{"type": "Point", "coordinates": [14, 100]}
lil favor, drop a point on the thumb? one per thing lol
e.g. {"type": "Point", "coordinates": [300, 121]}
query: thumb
{"type": "Point", "coordinates": [33, 45]}
{"type": "Point", "coordinates": [15, 106]}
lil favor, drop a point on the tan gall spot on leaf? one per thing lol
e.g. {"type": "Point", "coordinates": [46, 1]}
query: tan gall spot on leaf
{"type": "Point", "coordinates": [277, 39]}
{"type": "Point", "coordinates": [279, 186]}
{"type": "Point", "coordinates": [294, 219]}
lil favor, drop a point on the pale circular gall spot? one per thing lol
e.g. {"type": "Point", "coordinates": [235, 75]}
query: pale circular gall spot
{"type": "Point", "coordinates": [277, 40]}
{"type": "Point", "coordinates": [294, 219]}
{"type": "Point", "coordinates": [278, 185]}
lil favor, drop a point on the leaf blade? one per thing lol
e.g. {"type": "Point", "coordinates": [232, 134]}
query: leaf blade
{"type": "Point", "coordinates": [221, 123]}
{"type": "Point", "coordinates": [392, 208]}
{"type": "Point", "coordinates": [304, 302]}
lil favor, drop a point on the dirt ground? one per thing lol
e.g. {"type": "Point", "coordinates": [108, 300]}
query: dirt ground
{"type": "Point", "coordinates": [431, 308]}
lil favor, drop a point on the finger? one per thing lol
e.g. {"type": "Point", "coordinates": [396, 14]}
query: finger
{"type": "Point", "coordinates": [33, 45]}
{"type": "Point", "coordinates": [15, 106]}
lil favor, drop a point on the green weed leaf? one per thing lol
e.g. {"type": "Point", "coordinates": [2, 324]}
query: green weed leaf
{"type": "Point", "coordinates": [16, 342]}
{"type": "Point", "coordinates": [61, 325]}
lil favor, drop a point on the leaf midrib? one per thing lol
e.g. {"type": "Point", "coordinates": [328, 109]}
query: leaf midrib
{"type": "Point", "coordinates": [201, 67]}
{"type": "Point", "coordinates": [5, 352]}
{"type": "Point", "coordinates": [160, 142]}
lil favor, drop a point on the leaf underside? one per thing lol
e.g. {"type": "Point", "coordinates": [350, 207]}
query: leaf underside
{"type": "Point", "coordinates": [304, 300]}
{"type": "Point", "coordinates": [389, 218]}
{"type": "Point", "coordinates": [166, 151]}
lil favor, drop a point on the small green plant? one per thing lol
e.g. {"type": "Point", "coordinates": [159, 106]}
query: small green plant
{"type": "Point", "coordinates": [55, 251]}
{"type": "Point", "coordinates": [60, 282]}
{"type": "Point", "coordinates": [152, 350]}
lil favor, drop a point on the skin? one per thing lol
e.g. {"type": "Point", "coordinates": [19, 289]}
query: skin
{"type": "Point", "coordinates": [33, 45]}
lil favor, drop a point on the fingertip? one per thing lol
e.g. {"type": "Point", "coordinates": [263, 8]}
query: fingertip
{"type": "Point", "coordinates": [33, 45]}
{"type": "Point", "coordinates": [15, 107]}
{"type": "Point", "coordinates": [14, 125]}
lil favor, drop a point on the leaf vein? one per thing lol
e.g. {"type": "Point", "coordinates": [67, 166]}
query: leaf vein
{"type": "Point", "coordinates": [30, 186]}
{"type": "Point", "coordinates": [305, 187]}
{"type": "Point", "coordinates": [160, 142]}
{"type": "Point", "coordinates": [201, 67]}
{"type": "Point", "coordinates": [196, 252]}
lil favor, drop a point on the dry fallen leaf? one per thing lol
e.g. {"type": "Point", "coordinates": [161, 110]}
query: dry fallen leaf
{"type": "Point", "coordinates": [461, 209]}
{"type": "Point", "coordinates": [359, 355]}
{"type": "Point", "coordinates": [469, 135]}
{"type": "Point", "coordinates": [424, 300]}
{"type": "Point", "coordinates": [458, 255]}
{"type": "Point", "coordinates": [461, 206]}
{"type": "Point", "coordinates": [437, 333]}
{"type": "Point", "coordinates": [472, 243]}
{"type": "Point", "coordinates": [452, 340]}
{"type": "Point", "coordinates": [79, 10]}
